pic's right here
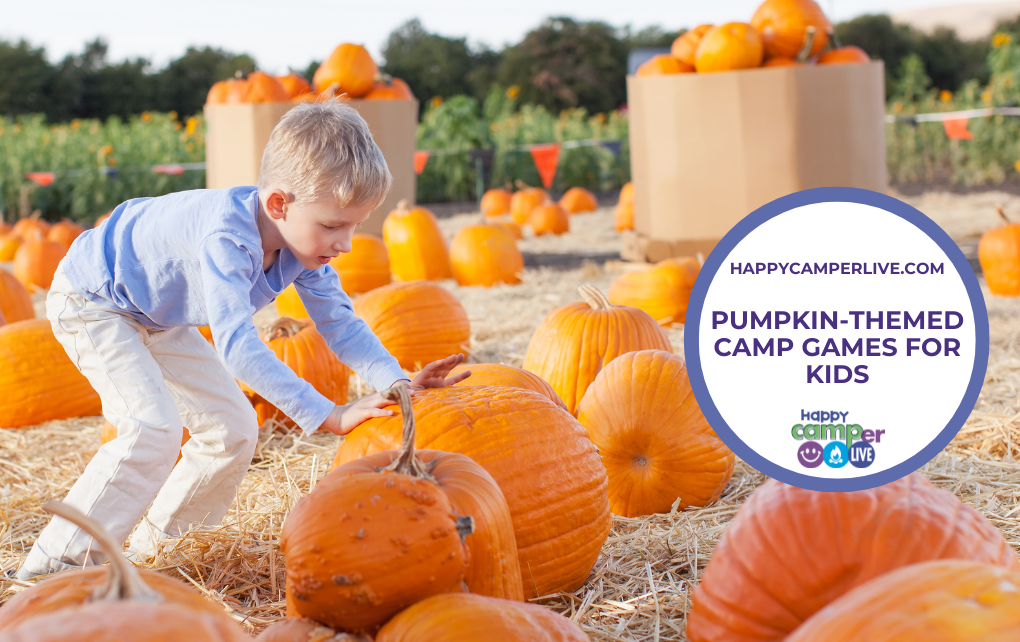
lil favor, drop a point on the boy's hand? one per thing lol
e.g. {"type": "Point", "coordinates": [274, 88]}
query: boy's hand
{"type": "Point", "coordinates": [434, 375]}
{"type": "Point", "coordinates": [344, 419]}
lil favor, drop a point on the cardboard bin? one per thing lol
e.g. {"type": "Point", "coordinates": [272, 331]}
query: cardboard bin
{"type": "Point", "coordinates": [708, 149]}
{"type": "Point", "coordinates": [236, 136]}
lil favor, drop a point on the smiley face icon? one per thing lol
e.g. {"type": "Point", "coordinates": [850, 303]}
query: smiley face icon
{"type": "Point", "coordinates": [810, 454]}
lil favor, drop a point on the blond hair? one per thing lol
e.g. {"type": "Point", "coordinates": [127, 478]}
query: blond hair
{"type": "Point", "coordinates": [326, 148]}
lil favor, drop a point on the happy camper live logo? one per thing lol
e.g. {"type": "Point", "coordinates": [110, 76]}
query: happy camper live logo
{"type": "Point", "coordinates": [822, 441]}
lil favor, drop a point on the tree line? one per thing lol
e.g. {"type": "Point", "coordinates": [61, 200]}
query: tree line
{"type": "Point", "coordinates": [562, 63]}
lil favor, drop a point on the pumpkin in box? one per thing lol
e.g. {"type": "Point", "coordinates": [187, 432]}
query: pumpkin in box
{"type": "Point", "coordinates": [728, 47]}
{"type": "Point", "coordinates": [849, 55]}
{"type": "Point", "coordinates": [549, 219]}
{"type": "Point", "coordinates": [389, 88]}
{"type": "Point", "coordinates": [262, 88]}
{"type": "Point", "coordinates": [662, 291]}
{"type": "Point", "coordinates": [999, 255]}
{"type": "Point", "coordinates": [295, 85]}
{"type": "Point", "coordinates": [577, 200]}
{"type": "Point", "coordinates": [783, 26]}
{"type": "Point", "coordinates": [350, 67]}
{"type": "Point", "coordinates": [485, 255]}
{"type": "Point", "coordinates": [15, 301]}
{"type": "Point", "coordinates": [662, 65]}
{"type": "Point", "coordinates": [686, 45]}
{"type": "Point", "coordinates": [35, 263]}
{"type": "Point", "coordinates": [416, 245]}
{"type": "Point", "coordinates": [496, 202]}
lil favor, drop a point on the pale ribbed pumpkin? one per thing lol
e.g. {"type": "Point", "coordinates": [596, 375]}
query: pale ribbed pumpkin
{"type": "Point", "coordinates": [109, 432]}
{"type": "Point", "coordinates": [295, 85]}
{"type": "Point", "coordinates": [485, 255]}
{"type": "Point", "coordinates": [686, 45]}
{"type": "Point", "coordinates": [15, 301]}
{"type": "Point", "coordinates": [35, 262]}
{"type": "Point", "coordinates": [418, 322]}
{"type": "Point", "coordinates": [350, 67]}
{"type": "Point", "coordinates": [577, 200]}
{"type": "Point", "coordinates": [497, 374]}
{"type": "Point", "coordinates": [849, 55]}
{"type": "Point", "coordinates": [940, 601]}
{"type": "Point", "coordinates": [39, 381]}
{"type": "Point", "coordinates": [655, 442]}
{"type": "Point", "coordinates": [369, 541]}
{"type": "Point", "coordinates": [390, 89]}
{"type": "Point", "coordinates": [574, 342]}
{"type": "Point", "coordinates": [734, 45]}
{"type": "Point", "coordinates": [496, 202]}
{"type": "Point", "coordinates": [783, 25]}
{"type": "Point", "coordinates": [662, 291]}
{"type": "Point", "coordinates": [9, 244]}
{"type": "Point", "coordinates": [663, 65]}
{"type": "Point", "coordinates": [549, 219]}
{"type": "Point", "coordinates": [65, 232]}
{"type": "Point", "coordinates": [768, 574]}
{"type": "Point", "coordinates": [464, 617]}
{"type": "Point", "coordinates": [999, 255]}
{"type": "Point", "coordinates": [525, 200]}
{"type": "Point", "coordinates": [416, 245]}
{"type": "Point", "coordinates": [542, 459]}
{"type": "Point", "coordinates": [300, 346]}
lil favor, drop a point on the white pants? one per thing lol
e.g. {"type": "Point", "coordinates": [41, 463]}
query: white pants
{"type": "Point", "coordinates": [152, 383]}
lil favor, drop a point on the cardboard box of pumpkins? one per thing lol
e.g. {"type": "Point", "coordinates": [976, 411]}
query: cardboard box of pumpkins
{"type": "Point", "coordinates": [741, 114]}
{"type": "Point", "coordinates": [241, 113]}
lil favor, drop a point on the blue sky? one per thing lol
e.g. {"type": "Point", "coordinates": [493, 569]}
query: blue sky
{"type": "Point", "coordinates": [290, 34]}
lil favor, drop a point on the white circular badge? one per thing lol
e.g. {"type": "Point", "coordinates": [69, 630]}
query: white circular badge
{"type": "Point", "coordinates": [836, 339]}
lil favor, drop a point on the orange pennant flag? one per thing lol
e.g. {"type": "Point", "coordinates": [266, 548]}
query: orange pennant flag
{"type": "Point", "coordinates": [420, 158]}
{"type": "Point", "coordinates": [546, 158]}
{"type": "Point", "coordinates": [957, 129]}
{"type": "Point", "coordinates": [41, 178]}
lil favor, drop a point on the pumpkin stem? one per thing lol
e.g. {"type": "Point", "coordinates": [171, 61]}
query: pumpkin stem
{"type": "Point", "coordinates": [834, 39]}
{"type": "Point", "coordinates": [406, 463]}
{"type": "Point", "coordinates": [809, 43]}
{"type": "Point", "coordinates": [284, 327]}
{"type": "Point", "coordinates": [594, 297]}
{"type": "Point", "coordinates": [123, 581]}
{"type": "Point", "coordinates": [1002, 214]}
{"type": "Point", "coordinates": [521, 184]}
{"type": "Point", "coordinates": [402, 206]}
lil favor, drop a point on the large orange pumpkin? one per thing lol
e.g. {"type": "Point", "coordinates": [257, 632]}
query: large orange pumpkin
{"type": "Point", "coordinates": [940, 601]}
{"type": "Point", "coordinates": [109, 432]}
{"type": "Point", "coordinates": [9, 244]}
{"type": "Point", "coordinates": [542, 459]}
{"type": "Point", "coordinates": [789, 552]}
{"type": "Point", "coordinates": [418, 321]}
{"type": "Point", "coordinates": [999, 255]}
{"type": "Point", "coordinates": [498, 374]}
{"type": "Point", "coordinates": [655, 443]}
{"type": "Point", "coordinates": [662, 291]}
{"type": "Point", "coordinates": [783, 26]}
{"type": "Point", "coordinates": [574, 342]}
{"type": "Point", "coordinates": [485, 255]}
{"type": "Point", "coordinates": [390, 89]}
{"type": "Point", "coordinates": [549, 218]}
{"type": "Point", "coordinates": [577, 200]}
{"type": "Point", "coordinates": [35, 263]}
{"type": "Point", "coordinates": [374, 538]}
{"type": "Point", "coordinates": [65, 232]}
{"type": "Point", "coordinates": [28, 227]}
{"type": "Point", "coordinates": [734, 45]}
{"type": "Point", "coordinates": [219, 93]}
{"type": "Point", "coordinates": [15, 301]}
{"type": "Point", "coordinates": [849, 55]}
{"type": "Point", "coordinates": [295, 85]}
{"type": "Point", "coordinates": [686, 45]}
{"type": "Point", "coordinates": [350, 67]}
{"type": "Point", "coordinates": [300, 346]}
{"type": "Point", "coordinates": [525, 200]}
{"type": "Point", "coordinates": [39, 380]}
{"type": "Point", "coordinates": [416, 245]}
{"type": "Point", "coordinates": [496, 202]}
{"type": "Point", "coordinates": [662, 65]}
{"type": "Point", "coordinates": [468, 618]}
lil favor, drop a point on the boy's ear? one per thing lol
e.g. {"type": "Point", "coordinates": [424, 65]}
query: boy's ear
{"type": "Point", "coordinates": [276, 203]}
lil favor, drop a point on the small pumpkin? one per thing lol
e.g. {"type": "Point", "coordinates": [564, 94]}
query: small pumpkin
{"type": "Point", "coordinates": [549, 219]}
{"type": "Point", "coordinates": [498, 374]}
{"type": "Point", "coordinates": [36, 262]}
{"type": "Point", "coordinates": [496, 202]}
{"type": "Point", "coordinates": [263, 88]}
{"type": "Point", "coordinates": [734, 45]}
{"type": "Point", "coordinates": [416, 245]}
{"type": "Point", "coordinates": [627, 192]}
{"type": "Point", "coordinates": [577, 200]}
{"type": "Point", "coordinates": [101, 219]}
{"type": "Point", "coordinates": [524, 200]}
{"type": "Point", "coordinates": [389, 88]}
{"type": "Point", "coordinates": [295, 85]}
{"type": "Point", "coordinates": [663, 65]}
{"type": "Point", "coordinates": [15, 301]}
{"type": "Point", "coordinates": [999, 255]}
{"type": "Point", "coordinates": [219, 93]}
{"type": "Point", "coordinates": [685, 46]}
{"type": "Point", "coordinates": [464, 617]}
{"type": "Point", "coordinates": [783, 25]}
{"type": "Point", "coordinates": [109, 432]}
{"type": "Point", "coordinates": [9, 244]}
{"type": "Point", "coordinates": [350, 67]}
{"type": "Point", "coordinates": [485, 255]}
{"type": "Point", "coordinates": [849, 55]}
{"type": "Point", "coordinates": [624, 216]}
{"type": "Point", "coordinates": [418, 322]}
{"type": "Point", "coordinates": [575, 341]}
{"type": "Point", "coordinates": [655, 442]}
{"type": "Point", "coordinates": [749, 593]}
{"type": "Point", "coordinates": [662, 291]}
{"type": "Point", "coordinates": [366, 267]}
{"type": "Point", "coordinates": [28, 227]}
{"type": "Point", "coordinates": [369, 541]}
{"type": "Point", "coordinates": [65, 232]}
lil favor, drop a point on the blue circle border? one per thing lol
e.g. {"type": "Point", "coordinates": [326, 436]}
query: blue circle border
{"type": "Point", "coordinates": [692, 332]}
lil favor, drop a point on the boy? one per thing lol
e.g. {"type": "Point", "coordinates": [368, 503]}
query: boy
{"type": "Point", "coordinates": [127, 298]}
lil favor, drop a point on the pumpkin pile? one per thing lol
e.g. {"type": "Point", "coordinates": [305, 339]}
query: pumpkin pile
{"type": "Point", "coordinates": [36, 247]}
{"type": "Point", "coordinates": [780, 33]}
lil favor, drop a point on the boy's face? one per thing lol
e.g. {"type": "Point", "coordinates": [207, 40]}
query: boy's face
{"type": "Point", "coordinates": [315, 231]}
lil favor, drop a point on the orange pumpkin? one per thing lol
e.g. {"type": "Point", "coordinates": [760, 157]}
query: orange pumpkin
{"type": "Point", "coordinates": [65, 232]}
{"type": "Point", "coordinates": [768, 575]}
{"type": "Point", "coordinates": [31, 228]}
{"type": "Point", "coordinates": [624, 216]}
{"type": "Point", "coordinates": [549, 219]}
{"type": "Point", "coordinates": [350, 67]}
{"type": "Point", "coordinates": [366, 267]}
{"type": "Point", "coordinates": [299, 345]}
{"type": "Point", "coordinates": [686, 45]}
{"type": "Point", "coordinates": [497, 374]}
{"type": "Point", "coordinates": [3, 319]}
{"type": "Point", "coordinates": [5, 227]}
{"type": "Point", "coordinates": [109, 432]}
{"type": "Point", "coordinates": [577, 200]}
{"type": "Point", "coordinates": [206, 332]}
{"type": "Point", "coordinates": [467, 618]}
{"type": "Point", "coordinates": [390, 89]}
{"type": "Point", "coordinates": [288, 304]}
{"type": "Point", "coordinates": [511, 228]}
{"type": "Point", "coordinates": [114, 602]}
{"type": "Point", "coordinates": [101, 219]}
{"type": "Point", "coordinates": [9, 244]}
{"type": "Point", "coordinates": [940, 601]}
{"type": "Point", "coordinates": [416, 244]}
{"type": "Point", "coordinates": [15, 301]}
{"type": "Point", "coordinates": [35, 262]}
{"type": "Point", "coordinates": [39, 381]}
{"type": "Point", "coordinates": [525, 200]}
{"type": "Point", "coordinates": [418, 321]}
{"type": "Point", "coordinates": [627, 192]}
{"type": "Point", "coordinates": [999, 255]}
{"type": "Point", "coordinates": [734, 45]}
{"type": "Point", "coordinates": [542, 459]}
{"type": "Point", "coordinates": [662, 291]}
{"type": "Point", "coordinates": [655, 443]}
{"type": "Point", "coordinates": [371, 540]}
{"type": "Point", "coordinates": [485, 255]}
{"type": "Point", "coordinates": [783, 26]}
{"type": "Point", "coordinates": [849, 55]}
{"type": "Point", "coordinates": [219, 93]}
{"type": "Point", "coordinates": [663, 64]}
{"type": "Point", "coordinates": [295, 85]}
{"type": "Point", "coordinates": [575, 341]}
{"type": "Point", "coordinates": [496, 202]}
{"type": "Point", "coordinates": [263, 88]}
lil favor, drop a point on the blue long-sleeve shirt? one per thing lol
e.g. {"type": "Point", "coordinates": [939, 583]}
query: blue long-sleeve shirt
{"type": "Point", "coordinates": [195, 258]}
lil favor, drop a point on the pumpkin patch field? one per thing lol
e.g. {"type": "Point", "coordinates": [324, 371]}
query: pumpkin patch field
{"type": "Point", "coordinates": [604, 513]}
